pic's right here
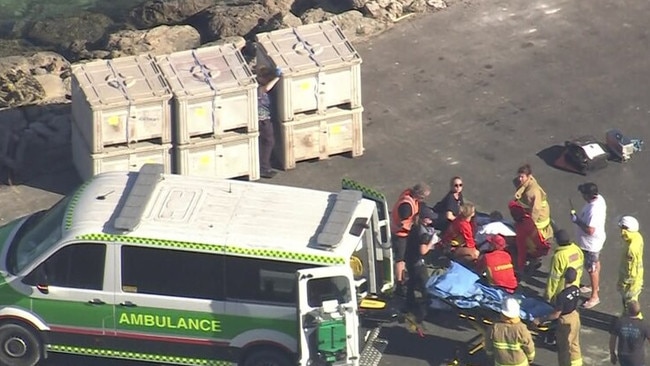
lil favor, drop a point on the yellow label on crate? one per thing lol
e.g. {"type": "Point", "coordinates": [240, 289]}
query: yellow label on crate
{"type": "Point", "coordinates": [335, 130]}
{"type": "Point", "coordinates": [150, 161]}
{"type": "Point", "coordinates": [113, 121]}
{"type": "Point", "coordinates": [305, 86]}
{"type": "Point", "coordinates": [205, 160]}
{"type": "Point", "coordinates": [199, 112]}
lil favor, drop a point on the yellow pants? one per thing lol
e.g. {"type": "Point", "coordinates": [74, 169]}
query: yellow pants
{"type": "Point", "coordinates": [568, 340]}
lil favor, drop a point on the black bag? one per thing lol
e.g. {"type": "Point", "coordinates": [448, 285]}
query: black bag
{"type": "Point", "coordinates": [585, 154]}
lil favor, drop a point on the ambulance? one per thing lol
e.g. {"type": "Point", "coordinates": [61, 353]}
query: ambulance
{"type": "Point", "coordinates": [184, 270]}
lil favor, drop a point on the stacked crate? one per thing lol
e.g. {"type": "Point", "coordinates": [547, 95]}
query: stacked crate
{"type": "Point", "coordinates": [215, 108]}
{"type": "Point", "coordinates": [319, 95]}
{"type": "Point", "coordinates": [121, 116]}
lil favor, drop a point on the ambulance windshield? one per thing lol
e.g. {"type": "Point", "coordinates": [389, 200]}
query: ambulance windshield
{"type": "Point", "coordinates": [38, 233]}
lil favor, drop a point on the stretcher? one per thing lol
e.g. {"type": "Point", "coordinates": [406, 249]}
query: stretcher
{"type": "Point", "coordinates": [480, 304]}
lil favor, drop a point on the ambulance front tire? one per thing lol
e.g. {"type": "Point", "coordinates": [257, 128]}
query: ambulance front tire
{"type": "Point", "coordinates": [267, 357]}
{"type": "Point", "coordinates": [19, 346]}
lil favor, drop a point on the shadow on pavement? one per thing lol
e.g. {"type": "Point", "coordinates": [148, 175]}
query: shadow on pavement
{"type": "Point", "coordinates": [595, 319]}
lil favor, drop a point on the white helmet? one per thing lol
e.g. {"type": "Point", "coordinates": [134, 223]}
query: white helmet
{"type": "Point", "coordinates": [629, 222]}
{"type": "Point", "coordinates": [510, 307]}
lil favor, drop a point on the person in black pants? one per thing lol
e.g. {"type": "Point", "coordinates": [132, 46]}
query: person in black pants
{"type": "Point", "coordinates": [420, 241]}
{"type": "Point", "coordinates": [266, 78]}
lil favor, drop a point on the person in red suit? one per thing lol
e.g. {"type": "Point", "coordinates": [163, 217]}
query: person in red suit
{"type": "Point", "coordinates": [497, 265]}
{"type": "Point", "coordinates": [530, 245]}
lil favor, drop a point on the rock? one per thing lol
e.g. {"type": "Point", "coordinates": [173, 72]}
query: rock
{"type": "Point", "coordinates": [373, 9]}
{"type": "Point", "coordinates": [153, 13]}
{"type": "Point", "coordinates": [395, 10]}
{"type": "Point", "coordinates": [237, 41]}
{"type": "Point", "coordinates": [358, 4]}
{"type": "Point", "coordinates": [383, 3]}
{"type": "Point", "coordinates": [289, 20]}
{"type": "Point", "coordinates": [220, 21]}
{"type": "Point", "coordinates": [355, 26]}
{"type": "Point", "coordinates": [52, 85]}
{"type": "Point", "coordinates": [299, 7]}
{"type": "Point", "coordinates": [416, 6]}
{"type": "Point", "coordinates": [315, 16]}
{"type": "Point", "coordinates": [18, 87]}
{"type": "Point", "coordinates": [160, 40]}
{"type": "Point", "coordinates": [99, 54]}
{"type": "Point", "coordinates": [437, 4]}
{"type": "Point", "coordinates": [278, 6]}
{"type": "Point", "coordinates": [61, 32]}
{"type": "Point", "coordinates": [16, 47]}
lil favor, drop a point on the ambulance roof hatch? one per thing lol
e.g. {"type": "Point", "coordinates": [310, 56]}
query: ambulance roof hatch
{"type": "Point", "coordinates": [138, 197]}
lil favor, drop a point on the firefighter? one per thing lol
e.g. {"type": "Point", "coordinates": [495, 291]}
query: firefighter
{"type": "Point", "coordinates": [497, 264]}
{"type": "Point", "coordinates": [630, 274]}
{"type": "Point", "coordinates": [403, 216]}
{"type": "Point", "coordinates": [529, 242]}
{"type": "Point", "coordinates": [508, 340]}
{"type": "Point", "coordinates": [567, 255]}
{"type": "Point", "coordinates": [533, 198]}
{"type": "Point", "coordinates": [567, 331]}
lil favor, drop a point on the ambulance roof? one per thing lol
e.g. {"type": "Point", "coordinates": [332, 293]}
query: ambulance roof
{"type": "Point", "coordinates": [218, 215]}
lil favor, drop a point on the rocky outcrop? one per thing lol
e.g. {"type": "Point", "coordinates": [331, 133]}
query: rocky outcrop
{"type": "Point", "coordinates": [59, 33]}
{"type": "Point", "coordinates": [30, 80]}
{"type": "Point", "coordinates": [16, 47]}
{"type": "Point", "coordinates": [153, 13]}
{"type": "Point", "coordinates": [221, 21]}
{"type": "Point", "coordinates": [356, 26]}
{"type": "Point", "coordinates": [161, 40]}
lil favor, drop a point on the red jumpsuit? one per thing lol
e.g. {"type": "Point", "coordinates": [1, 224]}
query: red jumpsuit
{"type": "Point", "coordinates": [499, 268]}
{"type": "Point", "coordinates": [529, 242]}
{"type": "Point", "coordinates": [460, 233]}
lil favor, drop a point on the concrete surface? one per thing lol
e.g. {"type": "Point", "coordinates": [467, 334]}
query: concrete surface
{"type": "Point", "coordinates": [475, 91]}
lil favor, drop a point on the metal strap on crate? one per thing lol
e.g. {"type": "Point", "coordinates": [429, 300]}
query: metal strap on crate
{"type": "Point", "coordinates": [119, 81]}
{"type": "Point", "coordinates": [207, 78]}
{"type": "Point", "coordinates": [312, 56]}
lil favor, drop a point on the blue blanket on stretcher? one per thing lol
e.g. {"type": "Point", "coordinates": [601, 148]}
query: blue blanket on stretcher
{"type": "Point", "coordinates": [461, 287]}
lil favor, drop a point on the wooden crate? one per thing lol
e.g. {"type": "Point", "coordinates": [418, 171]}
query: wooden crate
{"type": "Point", "coordinates": [214, 92]}
{"type": "Point", "coordinates": [116, 158]}
{"type": "Point", "coordinates": [320, 68]}
{"type": "Point", "coordinates": [311, 136]}
{"type": "Point", "coordinates": [230, 155]}
{"type": "Point", "coordinates": [121, 101]}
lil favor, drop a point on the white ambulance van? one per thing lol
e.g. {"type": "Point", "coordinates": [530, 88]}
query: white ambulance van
{"type": "Point", "coordinates": [195, 271]}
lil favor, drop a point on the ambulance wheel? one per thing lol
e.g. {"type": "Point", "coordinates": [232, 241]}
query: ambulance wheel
{"type": "Point", "coordinates": [267, 357]}
{"type": "Point", "coordinates": [19, 346]}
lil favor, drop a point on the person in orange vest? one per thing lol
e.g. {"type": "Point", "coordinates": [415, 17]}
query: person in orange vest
{"type": "Point", "coordinates": [403, 215]}
{"type": "Point", "coordinates": [532, 197]}
{"type": "Point", "coordinates": [497, 264]}
{"type": "Point", "coordinates": [529, 242]}
{"type": "Point", "coordinates": [459, 236]}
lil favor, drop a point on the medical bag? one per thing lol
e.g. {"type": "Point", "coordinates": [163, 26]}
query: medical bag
{"type": "Point", "coordinates": [585, 154]}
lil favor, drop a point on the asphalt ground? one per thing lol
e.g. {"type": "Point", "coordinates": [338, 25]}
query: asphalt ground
{"type": "Point", "coordinates": [475, 91]}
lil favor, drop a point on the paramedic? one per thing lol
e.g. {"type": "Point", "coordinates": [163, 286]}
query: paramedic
{"type": "Point", "coordinates": [567, 331]}
{"type": "Point", "coordinates": [449, 206]}
{"type": "Point", "coordinates": [590, 232]}
{"type": "Point", "coordinates": [509, 341]}
{"type": "Point", "coordinates": [630, 273]}
{"type": "Point", "coordinates": [497, 263]}
{"type": "Point", "coordinates": [533, 198]}
{"type": "Point", "coordinates": [420, 241]}
{"type": "Point", "coordinates": [266, 79]}
{"type": "Point", "coordinates": [631, 332]}
{"type": "Point", "coordinates": [459, 236]}
{"type": "Point", "coordinates": [566, 255]}
{"type": "Point", "coordinates": [403, 215]}
{"type": "Point", "coordinates": [529, 243]}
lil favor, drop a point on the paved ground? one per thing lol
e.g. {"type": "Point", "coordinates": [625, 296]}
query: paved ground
{"type": "Point", "coordinates": [475, 91]}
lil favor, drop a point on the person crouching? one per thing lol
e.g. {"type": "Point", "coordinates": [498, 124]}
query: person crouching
{"type": "Point", "coordinates": [459, 236]}
{"type": "Point", "coordinates": [497, 264]}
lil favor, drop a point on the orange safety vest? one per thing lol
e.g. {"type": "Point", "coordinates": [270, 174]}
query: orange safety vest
{"type": "Point", "coordinates": [400, 227]}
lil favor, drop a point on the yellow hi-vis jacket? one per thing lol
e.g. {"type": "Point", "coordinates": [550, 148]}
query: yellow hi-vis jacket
{"type": "Point", "coordinates": [510, 343]}
{"type": "Point", "coordinates": [630, 274]}
{"type": "Point", "coordinates": [565, 256]}
{"type": "Point", "coordinates": [533, 198]}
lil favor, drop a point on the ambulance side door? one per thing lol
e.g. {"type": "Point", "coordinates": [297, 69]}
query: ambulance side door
{"type": "Point", "coordinates": [72, 289]}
